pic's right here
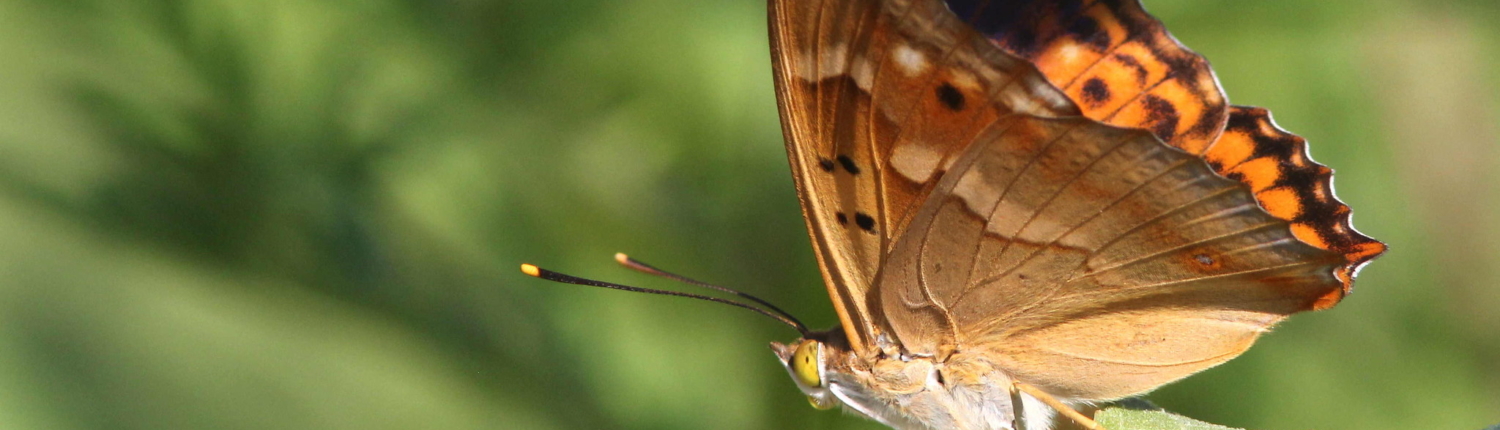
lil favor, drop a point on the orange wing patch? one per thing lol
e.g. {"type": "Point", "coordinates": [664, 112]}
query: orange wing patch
{"type": "Point", "coordinates": [1112, 58]}
{"type": "Point", "coordinates": [1122, 67]}
{"type": "Point", "coordinates": [1290, 186]}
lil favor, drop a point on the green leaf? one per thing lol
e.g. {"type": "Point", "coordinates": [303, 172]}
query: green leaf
{"type": "Point", "coordinates": [1118, 418]}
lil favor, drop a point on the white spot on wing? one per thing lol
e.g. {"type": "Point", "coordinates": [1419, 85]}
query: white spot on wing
{"type": "Point", "coordinates": [830, 61]}
{"type": "Point", "coordinates": [915, 161]}
{"type": "Point", "coordinates": [1069, 51]}
{"type": "Point", "coordinates": [911, 61]}
{"type": "Point", "coordinates": [835, 61]}
{"type": "Point", "coordinates": [862, 72]}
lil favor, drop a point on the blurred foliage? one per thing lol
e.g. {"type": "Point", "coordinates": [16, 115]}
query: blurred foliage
{"type": "Point", "coordinates": [308, 213]}
{"type": "Point", "coordinates": [1118, 418]}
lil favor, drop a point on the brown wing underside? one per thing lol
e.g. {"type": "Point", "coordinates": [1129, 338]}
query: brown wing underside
{"type": "Point", "coordinates": [1093, 261]}
{"type": "Point", "coordinates": [877, 98]}
{"type": "Point", "coordinates": [956, 202]}
{"type": "Point", "coordinates": [1043, 246]}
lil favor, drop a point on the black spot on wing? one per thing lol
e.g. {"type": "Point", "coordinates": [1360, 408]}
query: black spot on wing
{"type": "Point", "coordinates": [825, 164]}
{"type": "Point", "coordinates": [950, 97]}
{"type": "Point", "coordinates": [848, 164]}
{"type": "Point", "coordinates": [1162, 115]}
{"type": "Point", "coordinates": [864, 221]}
{"type": "Point", "coordinates": [843, 219]}
{"type": "Point", "coordinates": [1095, 91]}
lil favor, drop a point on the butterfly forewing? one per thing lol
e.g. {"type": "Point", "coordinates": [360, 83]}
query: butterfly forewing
{"type": "Point", "coordinates": [1114, 60]}
{"type": "Point", "coordinates": [877, 98]}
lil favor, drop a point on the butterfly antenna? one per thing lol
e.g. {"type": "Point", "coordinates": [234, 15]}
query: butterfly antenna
{"type": "Point", "coordinates": [549, 275]}
{"type": "Point", "coordinates": [648, 269]}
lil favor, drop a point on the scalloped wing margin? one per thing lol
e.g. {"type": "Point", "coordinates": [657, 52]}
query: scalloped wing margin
{"type": "Point", "coordinates": [1291, 186]}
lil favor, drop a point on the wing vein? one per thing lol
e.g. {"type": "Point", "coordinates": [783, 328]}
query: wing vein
{"type": "Point", "coordinates": [1167, 251]}
{"type": "Point", "coordinates": [1038, 211]}
{"type": "Point", "coordinates": [1198, 278]}
{"type": "Point", "coordinates": [1071, 230]}
{"type": "Point", "coordinates": [1107, 53]}
{"type": "Point", "coordinates": [1166, 213]}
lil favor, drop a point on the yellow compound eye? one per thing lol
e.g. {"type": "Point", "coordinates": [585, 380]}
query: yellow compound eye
{"type": "Point", "coordinates": [805, 365]}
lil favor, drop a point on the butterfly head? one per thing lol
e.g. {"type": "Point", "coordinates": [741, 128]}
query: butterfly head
{"type": "Point", "coordinates": [901, 393]}
{"type": "Point", "coordinates": [820, 364]}
{"type": "Point", "coordinates": [804, 360]}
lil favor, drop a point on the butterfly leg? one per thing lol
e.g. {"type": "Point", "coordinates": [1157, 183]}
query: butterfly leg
{"type": "Point", "coordinates": [1059, 406]}
{"type": "Point", "coordinates": [1017, 410]}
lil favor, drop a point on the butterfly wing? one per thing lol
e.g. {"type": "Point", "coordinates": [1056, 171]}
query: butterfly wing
{"type": "Point", "coordinates": [1122, 67]}
{"type": "Point", "coordinates": [877, 98]}
{"type": "Point", "coordinates": [1093, 261]}
{"type": "Point", "coordinates": [1098, 262]}
{"type": "Point", "coordinates": [1114, 60]}
{"type": "Point", "coordinates": [1197, 284]}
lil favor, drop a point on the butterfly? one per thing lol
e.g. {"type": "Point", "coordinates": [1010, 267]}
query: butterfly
{"type": "Point", "coordinates": [1023, 206]}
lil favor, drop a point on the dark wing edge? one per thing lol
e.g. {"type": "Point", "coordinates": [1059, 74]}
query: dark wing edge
{"type": "Point", "coordinates": [1291, 186]}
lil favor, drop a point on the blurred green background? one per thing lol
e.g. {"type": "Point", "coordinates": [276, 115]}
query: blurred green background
{"type": "Point", "coordinates": [280, 214]}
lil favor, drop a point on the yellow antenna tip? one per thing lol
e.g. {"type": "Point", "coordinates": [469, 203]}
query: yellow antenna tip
{"type": "Point", "coordinates": [622, 258]}
{"type": "Point", "coordinates": [531, 270]}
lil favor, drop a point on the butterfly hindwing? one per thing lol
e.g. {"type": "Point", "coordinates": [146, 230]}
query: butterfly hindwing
{"type": "Point", "coordinates": [1094, 262]}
